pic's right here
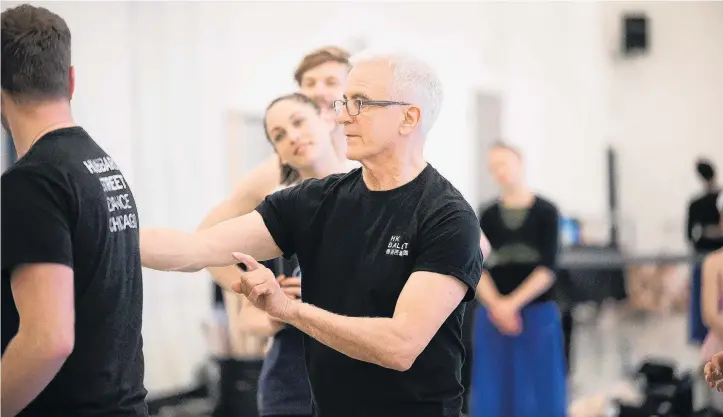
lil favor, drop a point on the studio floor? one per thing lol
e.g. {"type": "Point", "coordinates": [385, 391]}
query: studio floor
{"type": "Point", "coordinates": [607, 343]}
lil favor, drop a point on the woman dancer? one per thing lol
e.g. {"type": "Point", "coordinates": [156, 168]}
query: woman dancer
{"type": "Point", "coordinates": [301, 137]}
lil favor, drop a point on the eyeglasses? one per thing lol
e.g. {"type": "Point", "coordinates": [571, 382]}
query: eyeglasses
{"type": "Point", "coordinates": [353, 107]}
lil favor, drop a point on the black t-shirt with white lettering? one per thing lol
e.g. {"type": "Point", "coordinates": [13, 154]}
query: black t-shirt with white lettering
{"type": "Point", "coordinates": [357, 248]}
{"type": "Point", "coordinates": [66, 202]}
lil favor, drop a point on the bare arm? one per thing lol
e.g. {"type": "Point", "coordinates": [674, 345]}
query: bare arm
{"type": "Point", "coordinates": [248, 193]}
{"type": "Point", "coordinates": [710, 292]}
{"type": "Point", "coordinates": [424, 304]}
{"type": "Point", "coordinates": [535, 284]}
{"type": "Point", "coordinates": [486, 290]}
{"type": "Point", "coordinates": [44, 297]}
{"type": "Point", "coordinates": [485, 246]}
{"type": "Point", "coordinates": [171, 250]}
{"type": "Point", "coordinates": [256, 321]}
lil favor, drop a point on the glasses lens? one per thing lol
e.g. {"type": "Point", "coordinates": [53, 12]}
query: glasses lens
{"type": "Point", "coordinates": [337, 105]}
{"type": "Point", "coordinates": [354, 107]}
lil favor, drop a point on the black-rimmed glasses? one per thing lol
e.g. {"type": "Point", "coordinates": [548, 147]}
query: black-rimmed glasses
{"type": "Point", "coordinates": [354, 106]}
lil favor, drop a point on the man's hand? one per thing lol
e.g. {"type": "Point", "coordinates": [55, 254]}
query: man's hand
{"type": "Point", "coordinates": [292, 288]}
{"type": "Point", "coordinates": [261, 288]}
{"type": "Point", "coordinates": [505, 315]}
{"type": "Point", "coordinates": [714, 372]}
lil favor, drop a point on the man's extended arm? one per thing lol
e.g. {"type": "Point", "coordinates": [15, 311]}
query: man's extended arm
{"type": "Point", "coordinates": [424, 304]}
{"type": "Point", "coordinates": [248, 193]}
{"type": "Point", "coordinates": [43, 294]}
{"type": "Point", "coordinates": [171, 250]}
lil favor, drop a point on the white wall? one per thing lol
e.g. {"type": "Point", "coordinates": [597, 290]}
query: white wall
{"type": "Point", "coordinates": [666, 110]}
{"type": "Point", "coordinates": [156, 79]}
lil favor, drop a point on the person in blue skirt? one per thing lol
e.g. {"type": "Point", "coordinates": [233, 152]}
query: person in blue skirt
{"type": "Point", "coordinates": [519, 365]}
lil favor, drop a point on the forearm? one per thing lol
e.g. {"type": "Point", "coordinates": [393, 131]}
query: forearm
{"type": "Point", "coordinates": [27, 368]}
{"type": "Point", "coordinates": [538, 282]}
{"type": "Point", "coordinates": [376, 340]}
{"type": "Point", "coordinates": [172, 250]}
{"type": "Point", "coordinates": [715, 325]}
{"type": "Point", "coordinates": [257, 322]}
{"type": "Point", "coordinates": [486, 289]}
{"type": "Point", "coordinates": [226, 276]}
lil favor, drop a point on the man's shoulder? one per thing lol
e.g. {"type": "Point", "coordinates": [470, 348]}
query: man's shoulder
{"type": "Point", "coordinates": [443, 205]}
{"type": "Point", "coordinates": [330, 183]}
{"type": "Point", "coordinates": [441, 195]}
{"type": "Point", "coordinates": [29, 177]}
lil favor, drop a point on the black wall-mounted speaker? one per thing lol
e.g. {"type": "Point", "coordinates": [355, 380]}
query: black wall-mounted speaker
{"type": "Point", "coordinates": [635, 34]}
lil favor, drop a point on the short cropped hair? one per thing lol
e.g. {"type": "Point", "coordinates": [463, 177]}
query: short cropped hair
{"type": "Point", "coordinates": [319, 57]}
{"type": "Point", "coordinates": [35, 54]}
{"type": "Point", "coordinates": [412, 80]}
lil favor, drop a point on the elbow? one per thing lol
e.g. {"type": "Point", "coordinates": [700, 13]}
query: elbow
{"type": "Point", "coordinates": [57, 346]}
{"type": "Point", "coordinates": [402, 356]}
{"type": "Point", "coordinates": [709, 318]}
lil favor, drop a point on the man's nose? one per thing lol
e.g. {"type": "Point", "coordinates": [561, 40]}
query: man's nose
{"type": "Point", "coordinates": [342, 116]}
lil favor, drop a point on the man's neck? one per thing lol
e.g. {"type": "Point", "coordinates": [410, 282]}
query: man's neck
{"type": "Point", "coordinates": [520, 196]}
{"type": "Point", "coordinates": [386, 172]}
{"type": "Point", "coordinates": [29, 125]}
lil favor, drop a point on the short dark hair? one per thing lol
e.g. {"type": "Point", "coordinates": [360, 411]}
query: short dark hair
{"type": "Point", "coordinates": [705, 169]}
{"type": "Point", "coordinates": [35, 54]}
{"type": "Point", "coordinates": [319, 57]}
{"type": "Point", "coordinates": [288, 174]}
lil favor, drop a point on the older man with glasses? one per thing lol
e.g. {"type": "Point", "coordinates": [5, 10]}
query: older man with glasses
{"type": "Point", "coordinates": [390, 254]}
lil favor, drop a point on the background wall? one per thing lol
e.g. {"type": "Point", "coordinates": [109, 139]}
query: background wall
{"type": "Point", "coordinates": [666, 110]}
{"type": "Point", "coordinates": [156, 81]}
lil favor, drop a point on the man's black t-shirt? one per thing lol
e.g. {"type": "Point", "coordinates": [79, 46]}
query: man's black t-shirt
{"type": "Point", "coordinates": [66, 202]}
{"type": "Point", "coordinates": [357, 248]}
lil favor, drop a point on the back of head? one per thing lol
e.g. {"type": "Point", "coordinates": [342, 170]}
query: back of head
{"type": "Point", "coordinates": [319, 57]}
{"type": "Point", "coordinates": [35, 54]}
{"type": "Point", "coordinates": [705, 170]}
{"type": "Point", "coordinates": [413, 81]}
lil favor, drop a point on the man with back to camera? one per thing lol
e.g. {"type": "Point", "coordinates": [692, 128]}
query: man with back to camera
{"type": "Point", "coordinates": [71, 275]}
{"type": "Point", "coordinates": [389, 252]}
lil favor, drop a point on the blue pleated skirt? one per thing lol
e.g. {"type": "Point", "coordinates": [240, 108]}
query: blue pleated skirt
{"type": "Point", "coordinates": [520, 376]}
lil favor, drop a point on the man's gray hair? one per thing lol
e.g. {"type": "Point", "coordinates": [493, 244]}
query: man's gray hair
{"type": "Point", "coordinates": [413, 80]}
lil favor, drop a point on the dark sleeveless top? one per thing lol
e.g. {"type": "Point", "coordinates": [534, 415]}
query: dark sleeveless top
{"type": "Point", "coordinates": [284, 383]}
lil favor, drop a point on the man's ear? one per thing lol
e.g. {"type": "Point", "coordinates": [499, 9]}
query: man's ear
{"type": "Point", "coordinates": [411, 120]}
{"type": "Point", "coordinates": [71, 82]}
